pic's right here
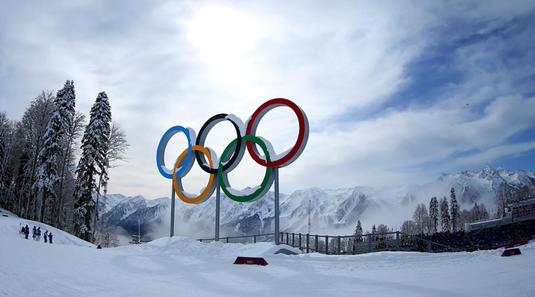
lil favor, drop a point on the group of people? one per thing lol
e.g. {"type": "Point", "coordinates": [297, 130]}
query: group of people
{"type": "Point", "coordinates": [36, 234]}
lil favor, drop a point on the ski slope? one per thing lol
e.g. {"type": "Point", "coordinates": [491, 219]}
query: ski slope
{"type": "Point", "coordinates": [184, 267]}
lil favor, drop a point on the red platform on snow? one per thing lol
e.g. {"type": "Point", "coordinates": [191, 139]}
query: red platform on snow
{"type": "Point", "coordinates": [251, 261]}
{"type": "Point", "coordinates": [511, 252]}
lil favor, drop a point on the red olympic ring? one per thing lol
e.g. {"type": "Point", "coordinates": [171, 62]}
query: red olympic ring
{"type": "Point", "coordinates": [300, 142]}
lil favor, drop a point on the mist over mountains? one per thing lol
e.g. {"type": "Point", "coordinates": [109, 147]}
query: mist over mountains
{"type": "Point", "coordinates": [332, 211]}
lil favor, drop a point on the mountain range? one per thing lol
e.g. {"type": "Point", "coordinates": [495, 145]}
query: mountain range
{"type": "Point", "coordinates": [331, 211]}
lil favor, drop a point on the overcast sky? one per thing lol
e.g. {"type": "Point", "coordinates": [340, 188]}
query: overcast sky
{"type": "Point", "coordinates": [395, 92]}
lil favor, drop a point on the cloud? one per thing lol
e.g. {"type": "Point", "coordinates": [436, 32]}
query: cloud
{"type": "Point", "coordinates": [169, 63]}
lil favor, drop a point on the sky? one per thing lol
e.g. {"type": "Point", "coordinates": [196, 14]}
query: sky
{"type": "Point", "coordinates": [395, 92]}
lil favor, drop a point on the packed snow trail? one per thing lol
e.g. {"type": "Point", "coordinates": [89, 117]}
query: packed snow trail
{"type": "Point", "coordinates": [184, 267]}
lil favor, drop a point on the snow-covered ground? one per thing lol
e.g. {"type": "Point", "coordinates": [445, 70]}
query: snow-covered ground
{"type": "Point", "coordinates": [184, 267]}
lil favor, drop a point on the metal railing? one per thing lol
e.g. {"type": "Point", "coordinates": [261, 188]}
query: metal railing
{"type": "Point", "coordinates": [266, 237]}
{"type": "Point", "coordinates": [344, 244]}
{"type": "Point", "coordinates": [359, 244]}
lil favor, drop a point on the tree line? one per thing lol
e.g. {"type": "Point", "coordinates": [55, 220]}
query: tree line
{"type": "Point", "coordinates": [40, 176]}
{"type": "Point", "coordinates": [443, 216]}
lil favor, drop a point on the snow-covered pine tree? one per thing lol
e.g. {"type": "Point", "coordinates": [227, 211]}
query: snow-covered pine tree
{"type": "Point", "coordinates": [50, 155]}
{"type": "Point", "coordinates": [433, 215]}
{"type": "Point", "coordinates": [454, 212]}
{"type": "Point", "coordinates": [445, 215]}
{"type": "Point", "coordinates": [68, 123]}
{"type": "Point", "coordinates": [93, 162]}
{"type": "Point", "coordinates": [358, 232]}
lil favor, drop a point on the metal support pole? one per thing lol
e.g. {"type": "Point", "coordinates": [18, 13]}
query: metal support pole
{"type": "Point", "coordinates": [299, 240]}
{"type": "Point", "coordinates": [316, 242]}
{"type": "Point", "coordinates": [308, 243]}
{"type": "Point", "coordinates": [293, 239]}
{"type": "Point", "coordinates": [339, 243]}
{"type": "Point", "coordinates": [172, 232]}
{"type": "Point", "coordinates": [277, 213]}
{"type": "Point", "coordinates": [326, 245]}
{"type": "Point", "coordinates": [217, 210]}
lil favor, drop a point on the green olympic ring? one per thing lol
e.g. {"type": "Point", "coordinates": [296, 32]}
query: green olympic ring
{"type": "Point", "coordinates": [222, 176]}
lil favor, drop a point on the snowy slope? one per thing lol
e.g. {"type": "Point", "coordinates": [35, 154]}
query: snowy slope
{"type": "Point", "coordinates": [183, 267]}
{"type": "Point", "coordinates": [11, 225]}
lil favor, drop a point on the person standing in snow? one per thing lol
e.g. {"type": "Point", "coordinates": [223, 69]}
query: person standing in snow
{"type": "Point", "coordinates": [46, 235]}
{"type": "Point", "coordinates": [26, 231]}
{"type": "Point", "coordinates": [50, 237]}
{"type": "Point", "coordinates": [38, 233]}
{"type": "Point", "coordinates": [34, 232]}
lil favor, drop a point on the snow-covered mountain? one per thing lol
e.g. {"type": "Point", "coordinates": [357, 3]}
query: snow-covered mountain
{"type": "Point", "coordinates": [333, 211]}
{"type": "Point", "coordinates": [107, 202]}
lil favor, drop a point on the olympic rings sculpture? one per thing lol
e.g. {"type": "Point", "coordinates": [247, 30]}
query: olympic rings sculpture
{"type": "Point", "coordinates": [232, 154]}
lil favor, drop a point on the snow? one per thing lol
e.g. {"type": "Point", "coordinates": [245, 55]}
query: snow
{"type": "Point", "coordinates": [184, 267]}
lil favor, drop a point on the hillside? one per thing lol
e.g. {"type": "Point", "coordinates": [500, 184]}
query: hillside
{"type": "Point", "coordinates": [11, 224]}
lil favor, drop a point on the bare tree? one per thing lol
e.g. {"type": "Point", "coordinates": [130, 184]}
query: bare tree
{"type": "Point", "coordinates": [118, 145]}
{"type": "Point", "coordinates": [67, 166]}
{"type": "Point", "coordinates": [421, 218]}
{"type": "Point", "coordinates": [409, 228]}
{"type": "Point", "coordinates": [116, 152]}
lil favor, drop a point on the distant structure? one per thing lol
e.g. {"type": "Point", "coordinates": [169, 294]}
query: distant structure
{"type": "Point", "coordinates": [309, 221]}
{"type": "Point", "coordinates": [518, 211]}
{"type": "Point", "coordinates": [137, 238]}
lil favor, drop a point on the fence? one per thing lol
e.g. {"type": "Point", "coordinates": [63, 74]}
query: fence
{"type": "Point", "coordinates": [355, 244]}
{"type": "Point", "coordinates": [343, 245]}
{"type": "Point", "coordinates": [267, 237]}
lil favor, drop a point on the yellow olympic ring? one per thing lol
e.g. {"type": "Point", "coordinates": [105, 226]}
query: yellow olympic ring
{"type": "Point", "coordinates": [206, 193]}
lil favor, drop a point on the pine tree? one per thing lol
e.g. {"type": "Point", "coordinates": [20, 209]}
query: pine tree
{"type": "Point", "coordinates": [433, 215]}
{"type": "Point", "coordinates": [69, 123]}
{"type": "Point", "coordinates": [445, 215]}
{"type": "Point", "coordinates": [358, 231]}
{"type": "Point", "coordinates": [93, 163]}
{"type": "Point", "coordinates": [49, 171]}
{"type": "Point", "coordinates": [454, 211]}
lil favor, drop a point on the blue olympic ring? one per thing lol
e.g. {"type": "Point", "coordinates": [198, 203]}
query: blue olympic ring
{"type": "Point", "coordinates": [160, 152]}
